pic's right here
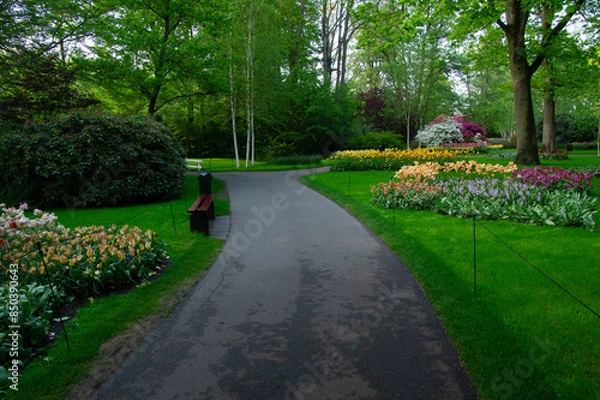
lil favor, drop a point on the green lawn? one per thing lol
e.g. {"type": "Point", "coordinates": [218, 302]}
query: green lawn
{"type": "Point", "coordinates": [104, 318]}
{"type": "Point", "coordinates": [520, 337]}
{"type": "Point", "coordinates": [228, 164]}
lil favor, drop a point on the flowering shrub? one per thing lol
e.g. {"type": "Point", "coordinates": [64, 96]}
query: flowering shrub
{"type": "Point", "coordinates": [543, 196]}
{"type": "Point", "coordinates": [389, 159]}
{"type": "Point", "coordinates": [550, 178]}
{"type": "Point", "coordinates": [472, 132]}
{"type": "Point", "coordinates": [438, 134]}
{"type": "Point", "coordinates": [445, 130]}
{"type": "Point", "coordinates": [79, 262]}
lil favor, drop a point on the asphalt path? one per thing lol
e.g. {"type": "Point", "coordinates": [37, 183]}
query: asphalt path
{"type": "Point", "coordinates": [304, 302]}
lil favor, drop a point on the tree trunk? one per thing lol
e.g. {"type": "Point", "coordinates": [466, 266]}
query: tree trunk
{"type": "Point", "coordinates": [514, 29]}
{"type": "Point", "coordinates": [527, 150]}
{"type": "Point", "coordinates": [250, 140]}
{"type": "Point", "coordinates": [326, 39]}
{"type": "Point", "coordinates": [153, 100]}
{"type": "Point", "coordinates": [549, 135]}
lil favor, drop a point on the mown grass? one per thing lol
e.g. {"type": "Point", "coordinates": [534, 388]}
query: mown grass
{"type": "Point", "coordinates": [520, 336]}
{"type": "Point", "coordinates": [228, 164]}
{"type": "Point", "coordinates": [102, 319]}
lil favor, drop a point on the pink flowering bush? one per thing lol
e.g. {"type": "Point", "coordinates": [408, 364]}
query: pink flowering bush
{"type": "Point", "coordinates": [472, 132]}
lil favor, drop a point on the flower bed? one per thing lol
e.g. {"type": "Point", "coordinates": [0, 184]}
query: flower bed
{"type": "Point", "coordinates": [543, 196]}
{"type": "Point", "coordinates": [79, 263]}
{"type": "Point", "coordinates": [390, 159]}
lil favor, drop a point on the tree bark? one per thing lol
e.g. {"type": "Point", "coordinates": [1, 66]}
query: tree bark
{"type": "Point", "coordinates": [549, 135]}
{"type": "Point", "coordinates": [521, 72]}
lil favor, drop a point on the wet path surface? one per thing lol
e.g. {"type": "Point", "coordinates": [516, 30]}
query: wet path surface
{"type": "Point", "coordinates": [303, 303]}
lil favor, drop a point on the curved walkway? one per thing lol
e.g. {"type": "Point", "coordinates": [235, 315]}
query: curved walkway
{"type": "Point", "coordinates": [304, 302]}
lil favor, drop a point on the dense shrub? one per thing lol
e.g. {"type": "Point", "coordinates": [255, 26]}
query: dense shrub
{"type": "Point", "coordinates": [572, 128]}
{"type": "Point", "coordinates": [92, 159]}
{"type": "Point", "coordinates": [472, 132]}
{"type": "Point", "coordinates": [446, 130]}
{"type": "Point", "coordinates": [382, 140]}
{"type": "Point", "coordinates": [554, 155]}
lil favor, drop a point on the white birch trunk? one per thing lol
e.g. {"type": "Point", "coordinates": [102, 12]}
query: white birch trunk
{"type": "Point", "coordinates": [232, 104]}
{"type": "Point", "coordinates": [249, 115]}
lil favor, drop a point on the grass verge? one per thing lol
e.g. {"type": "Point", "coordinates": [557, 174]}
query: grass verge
{"type": "Point", "coordinates": [228, 164]}
{"type": "Point", "coordinates": [520, 336]}
{"type": "Point", "coordinates": [101, 319]}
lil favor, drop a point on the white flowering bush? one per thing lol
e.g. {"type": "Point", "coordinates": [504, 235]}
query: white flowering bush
{"type": "Point", "coordinates": [447, 131]}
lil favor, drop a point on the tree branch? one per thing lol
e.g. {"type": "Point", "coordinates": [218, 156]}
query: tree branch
{"type": "Point", "coordinates": [547, 40]}
{"type": "Point", "coordinates": [502, 25]}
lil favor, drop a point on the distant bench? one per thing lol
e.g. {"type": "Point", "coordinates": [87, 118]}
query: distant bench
{"type": "Point", "coordinates": [193, 163]}
{"type": "Point", "coordinates": [201, 212]}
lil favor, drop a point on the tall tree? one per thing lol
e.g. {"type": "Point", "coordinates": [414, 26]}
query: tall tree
{"type": "Point", "coordinates": [526, 53]}
{"type": "Point", "coordinates": [337, 30]}
{"type": "Point", "coordinates": [151, 46]}
{"type": "Point", "coordinates": [409, 61]}
{"type": "Point", "coordinates": [485, 84]}
{"type": "Point", "coordinates": [37, 84]}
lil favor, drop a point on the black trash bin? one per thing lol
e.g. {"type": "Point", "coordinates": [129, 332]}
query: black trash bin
{"type": "Point", "coordinates": [204, 183]}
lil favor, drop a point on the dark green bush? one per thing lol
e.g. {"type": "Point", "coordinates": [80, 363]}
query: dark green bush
{"type": "Point", "coordinates": [383, 140]}
{"type": "Point", "coordinates": [92, 159]}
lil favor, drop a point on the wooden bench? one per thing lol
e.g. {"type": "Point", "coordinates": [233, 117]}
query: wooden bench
{"type": "Point", "coordinates": [201, 212]}
{"type": "Point", "coordinates": [194, 163]}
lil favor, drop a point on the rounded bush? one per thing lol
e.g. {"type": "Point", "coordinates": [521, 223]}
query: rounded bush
{"type": "Point", "coordinates": [374, 140]}
{"type": "Point", "coordinates": [447, 131]}
{"type": "Point", "coordinates": [92, 159]}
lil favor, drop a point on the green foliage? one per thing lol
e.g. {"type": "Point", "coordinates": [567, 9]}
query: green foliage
{"type": "Point", "coordinates": [554, 155]}
{"type": "Point", "coordinates": [572, 128]}
{"type": "Point", "coordinates": [92, 159]}
{"type": "Point", "coordinates": [594, 169]}
{"type": "Point", "coordinates": [35, 304]}
{"type": "Point", "coordinates": [37, 85]}
{"type": "Point", "coordinates": [375, 140]}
